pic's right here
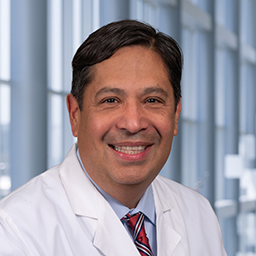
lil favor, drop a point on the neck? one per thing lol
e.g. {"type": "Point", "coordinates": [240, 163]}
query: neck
{"type": "Point", "coordinates": [128, 195]}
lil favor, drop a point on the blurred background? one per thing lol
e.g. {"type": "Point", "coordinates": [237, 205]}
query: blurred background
{"type": "Point", "coordinates": [214, 152]}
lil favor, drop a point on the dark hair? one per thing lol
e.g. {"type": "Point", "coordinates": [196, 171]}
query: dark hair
{"type": "Point", "coordinates": [104, 42]}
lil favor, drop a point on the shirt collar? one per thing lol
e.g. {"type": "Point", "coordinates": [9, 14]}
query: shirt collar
{"type": "Point", "coordinates": [145, 205]}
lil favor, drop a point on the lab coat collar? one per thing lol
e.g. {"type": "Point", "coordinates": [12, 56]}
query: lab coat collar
{"type": "Point", "coordinates": [82, 195]}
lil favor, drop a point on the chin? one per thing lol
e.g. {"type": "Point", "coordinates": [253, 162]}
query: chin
{"type": "Point", "coordinates": [134, 179]}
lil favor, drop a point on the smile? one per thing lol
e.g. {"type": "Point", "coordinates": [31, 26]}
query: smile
{"type": "Point", "coordinates": [129, 150]}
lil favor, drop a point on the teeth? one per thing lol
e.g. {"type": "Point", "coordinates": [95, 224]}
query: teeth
{"type": "Point", "coordinates": [130, 150]}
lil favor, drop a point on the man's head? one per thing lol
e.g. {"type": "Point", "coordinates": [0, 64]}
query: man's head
{"type": "Point", "coordinates": [128, 112]}
{"type": "Point", "coordinates": [104, 42]}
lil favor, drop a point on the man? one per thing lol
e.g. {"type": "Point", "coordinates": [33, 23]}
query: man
{"type": "Point", "coordinates": [106, 198]}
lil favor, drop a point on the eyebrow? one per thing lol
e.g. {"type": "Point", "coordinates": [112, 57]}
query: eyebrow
{"type": "Point", "coordinates": [154, 89]}
{"type": "Point", "coordinates": [148, 90]}
{"type": "Point", "coordinates": [107, 89]}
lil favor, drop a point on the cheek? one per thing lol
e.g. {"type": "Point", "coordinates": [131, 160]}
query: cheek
{"type": "Point", "coordinates": [98, 126]}
{"type": "Point", "coordinates": [165, 127]}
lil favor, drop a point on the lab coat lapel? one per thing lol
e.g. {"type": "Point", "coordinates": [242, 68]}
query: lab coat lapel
{"type": "Point", "coordinates": [170, 226]}
{"type": "Point", "coordinates": [110, 237]}
{"type": "Point", "coordinates": [167, 238]}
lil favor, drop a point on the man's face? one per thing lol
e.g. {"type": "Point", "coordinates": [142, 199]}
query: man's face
{"type": "Point", "coordinates": [128, 121]}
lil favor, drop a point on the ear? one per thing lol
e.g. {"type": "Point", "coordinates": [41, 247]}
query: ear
{"type": "Point", "coordinates": [74, 111]}
{"type": "Point", "coordinates": [177, 115]}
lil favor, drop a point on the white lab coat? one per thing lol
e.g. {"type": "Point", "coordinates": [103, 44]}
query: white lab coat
{"type": "Point", "coordinates": [60, 213]}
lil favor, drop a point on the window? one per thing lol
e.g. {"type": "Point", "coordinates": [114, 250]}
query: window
{"type": "Point", "coordinates": [5, 98]}
{"type": "Point", "coordinates": [70, 22]}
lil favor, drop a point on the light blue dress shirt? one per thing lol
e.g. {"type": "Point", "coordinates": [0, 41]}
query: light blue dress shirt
{"type": "Point", "coordinates": [145, 205]}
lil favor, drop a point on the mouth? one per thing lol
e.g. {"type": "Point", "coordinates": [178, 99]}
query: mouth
{"type": "Point", "coordinates": [134, 150]}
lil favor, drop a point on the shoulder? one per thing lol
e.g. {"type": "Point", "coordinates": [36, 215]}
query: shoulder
{"type": "Point", "coordinates": [31, 203]}
{"type": "Point", "coordinates": [176, 194]}
{"type": "Point", "coordinates": [27, 211]}
{"type": "Point", "coordinates": [163, 184]}
{"type": "Point", "coordinates": [44, 188]}
{"type": "Point", "coordinates": [37, 188]}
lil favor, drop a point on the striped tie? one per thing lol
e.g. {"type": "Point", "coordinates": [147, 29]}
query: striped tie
{"type": "Point", "coordinates": [136, 223]}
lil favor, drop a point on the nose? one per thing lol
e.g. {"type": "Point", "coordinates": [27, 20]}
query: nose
{"type": "Point", "coordinates": [133, 118]}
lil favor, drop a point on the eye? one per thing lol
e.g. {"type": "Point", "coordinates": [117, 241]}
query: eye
{"type": "Point", "coordinates": [110, 100]}
{"type": "Point", "coordinates": [153, 100]}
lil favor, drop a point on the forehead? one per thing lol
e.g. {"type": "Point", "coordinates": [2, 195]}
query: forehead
{"type": "Point", "coordinates": [130, 66]}
{"type": "Point", "coordinates": [132, 55]}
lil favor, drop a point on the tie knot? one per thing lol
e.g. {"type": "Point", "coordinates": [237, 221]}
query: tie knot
{"type": "Point", "coordinates": [136, 223]}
